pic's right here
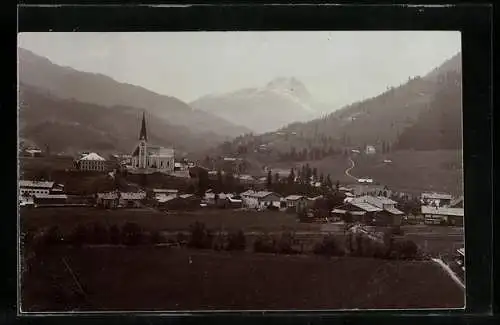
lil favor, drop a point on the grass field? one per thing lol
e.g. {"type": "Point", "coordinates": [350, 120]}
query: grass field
{"type": "Point", "coordinates": [415, 171]}
{"type": "Point", "coordinates": [69, 218]}
{"type": "Point", "coordinates": [144, 278]}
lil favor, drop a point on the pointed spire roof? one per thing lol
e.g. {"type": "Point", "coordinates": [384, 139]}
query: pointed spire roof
{"type": "Point", "coordinates": [143, 135]}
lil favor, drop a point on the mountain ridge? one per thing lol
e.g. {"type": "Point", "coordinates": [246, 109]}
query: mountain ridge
{"type": "Point", "coordinates": [99, 89]}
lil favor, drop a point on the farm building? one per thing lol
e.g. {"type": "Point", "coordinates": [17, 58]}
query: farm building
{"type": "Point", "coordinates": [370, 150]}
{"type": "Point", "coordinates": [260, 199]}
{"type": "Point", "coordinates": [28, 188]}
{"type": "Point", "coordinates": [42, 199]}
{"type": "Point", "coordinates": [436, 199]}
{"type": "Point", "coordinates": [91, 162]}
{"type": "Point", "coordinates": [120, 199]}
{"type": "Point", "coordinates": [160, 193]}
{"type": "Point", "coordinates": [296, 202]}
{"type": "Point", "coordinates": [370, 209]}
{"type": "Point", "coordinates": [439, 215]}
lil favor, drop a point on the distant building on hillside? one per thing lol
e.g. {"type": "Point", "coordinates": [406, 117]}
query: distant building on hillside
{"type": "Point", "coordinates": [370, 150]}
{"type": "Point", "coordinates": [148, 158]}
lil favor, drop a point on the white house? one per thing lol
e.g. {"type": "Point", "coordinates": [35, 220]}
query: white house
{"type": "Point", "coordinates": [437, 215]}
{"type": "Point", "coordinates": [436, 199]}
{"type": "Point", "coordinates": [30, 188]}
{"type": "Point", "coordinates": [370, 150]}
{"type": "Point", "coordinates": [92, 162]}
{"type": "Point", "coordinates": [260, 200]}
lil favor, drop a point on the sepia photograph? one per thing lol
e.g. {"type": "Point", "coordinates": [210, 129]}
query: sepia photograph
{"type": "Point", "coordinates": [240, 171]}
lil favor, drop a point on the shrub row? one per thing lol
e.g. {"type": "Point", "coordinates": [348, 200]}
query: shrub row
{"type": "Point", "coordinates": [202, 238]}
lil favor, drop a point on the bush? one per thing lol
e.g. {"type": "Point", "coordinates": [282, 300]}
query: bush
{"type": "Point", "coordinates": [397, 231]}
{"type": "Point", "coordinates": [264, 244]}
{"type": "Point", "coordinates": [99, 234]}
{"type": "Point", "coordinates": [115, 237]}
{"type": "Point", "coordinates": [132, 234]}
{"type": "Point", "coordinates": [236, 241]}
{"type": "Point", "coordinates": [155, 237]}
{"type": "Point", "coordinates": [329, 247]}
{"type": "Point", "coordinates": [406, 249]}
{"type": "Point", "coordinates": [219, 241]}
{"type": "Point", "coordinates": [285, 244]}
{"type": "Point", "coordinates": [79, 236]}
{"type": "Point", "coordinates": [182, 239]}
{"type": "Point", "coordinates": [200, 238]}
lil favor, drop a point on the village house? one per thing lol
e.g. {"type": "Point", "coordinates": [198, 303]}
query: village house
{"type": "Point", "coordinates": [436, 199]}
{"type": "Point", "coordinates": [160, 193]}
{"type": "Point", "coordinates": [49, 199]}
{"type": "Point", "coordinates": [296, 202]}
{"type": "Point", "coordinates": [457, 202]}
{"type": "Point", "coordinates": [29, 188]}
{"type": "Point", "coordinates": [438, 215]}
{"type": "Point", "coordinates": [260, 200]}
{"type": "Point", "coordinates": [147, 158]}
{"type": "Point", "coordinates": [91, 162]}
{"type": "Point", "coordinates": [118, 199]}
{"type": "Point", "coordinates": [370, 150]}
{"type": "Point", "coordinates": [370, 209]}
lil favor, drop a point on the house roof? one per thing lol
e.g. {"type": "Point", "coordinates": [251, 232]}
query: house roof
{"type": "Point", "coordinates": [166, 198]}
{"type": "Point", "coordinates": [93, 156]}
{"type": "Point", "coordinates": [385, 200]}
{"type": "Point", "coordinates": [262, 194]}
{"type": "Point", "coordinates": [50, 196]}
{"type": "Point", "coordinates": [185, 196]}
{"type": "Point", "coordinates": [36, 184]}
{"type": "Point", "coordinates": [294, 197]}
{"type": "Point", "coordinates": [458, 212]}
{"type": "Point", "coordinates": [132, 195]}
{"type": "Point", "coordinates": [157, 151]}
{"type": "Point", "coordinates": [365, 206]}
{"type": "Point", "coordinates": [163, 190]}
{"type": "Point", "coordinates": [393, 211]}
{"type": "Point", "coordinates": [456, 201]}
{"type": "Point", "coordinates": [438, 196]}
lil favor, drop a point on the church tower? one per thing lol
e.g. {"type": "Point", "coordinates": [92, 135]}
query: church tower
{"type": "Point", "coordinates": [143, 138]}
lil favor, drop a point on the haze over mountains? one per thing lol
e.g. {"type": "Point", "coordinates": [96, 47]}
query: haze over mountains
{"type": "Point", "coordinates": [280, 102]}
{"type": "Point", "coordinates": [423, 114]}
{"type": "Point", "coordinates": [49, 89]}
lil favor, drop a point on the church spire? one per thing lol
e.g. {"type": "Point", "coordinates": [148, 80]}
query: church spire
{"type": "Point", "coordinates": [143, 135]}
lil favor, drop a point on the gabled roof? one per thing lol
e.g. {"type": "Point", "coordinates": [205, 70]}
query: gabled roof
{"type": "Point", "coordinates": [365, 206]}
{"type": "Point", "coordinates": [394, 211]}
{"type": "Point", "coordinates": [385, 200]}
{"type": "Point", "coordinates": [437, 196]}
{"type": "Point", "coordinates": [38, 184]}
{"type": "Point", "coordinates": [294, 197]}
{"type": "Point", "coordinates": [263, 194]}
{"type": "Point", "coordinates": [93, 156]}
{"type": "Point", "coordinates": [50, 196]}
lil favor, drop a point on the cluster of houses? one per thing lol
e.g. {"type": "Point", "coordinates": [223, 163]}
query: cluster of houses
{"type": "Point", "coordinates": [438, 208]}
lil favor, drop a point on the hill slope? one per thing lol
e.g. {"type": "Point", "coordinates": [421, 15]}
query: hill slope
{"type": "Point", "coordinates": [387, 116]}
{"type": "Point", "coordinates": [281, 101]}
{"type": "Point", "coordinates": [68, 83]}
{"type": "Point", "coordinates": [68, 125]}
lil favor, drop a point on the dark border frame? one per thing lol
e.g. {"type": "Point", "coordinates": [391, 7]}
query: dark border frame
{"type": "Point", "coordinates": [475, 23]}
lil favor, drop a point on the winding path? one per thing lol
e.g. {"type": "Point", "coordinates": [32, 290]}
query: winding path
{"type": "Point", "coordinates": [348, 170]}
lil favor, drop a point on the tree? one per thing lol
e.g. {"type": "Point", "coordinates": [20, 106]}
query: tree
{"type": "Point", "coordinates": [276, 178]}
{"type": "Point", "coordinates": [337, 185]}
{"type": "Point", "coordinates": [269, 179]}
{"type": "Point", "coordinates": [308, 173]}
{"type": "Point", "coordinates": [291, 177]}
{"type": "Point", "coordinates": [220, 182]}
{"type": "Point", "coordinates": [132, 234]}
{"type": "Point", "coordinates": [321, 178]}
{"type": "Point", "coordinates": [329, 183]}
{"type": "Point", "coordinates": [315, 173]}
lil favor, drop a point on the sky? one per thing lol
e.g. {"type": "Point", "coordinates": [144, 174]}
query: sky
{"type": "Point", "coordinates": [337, 67]}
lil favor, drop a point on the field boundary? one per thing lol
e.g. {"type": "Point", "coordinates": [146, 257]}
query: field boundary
{"type": "Point", "coordinates": [448, 270]}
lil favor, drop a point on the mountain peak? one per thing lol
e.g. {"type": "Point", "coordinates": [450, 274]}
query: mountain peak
{"type": "Point", "coordinates": [290, 85]}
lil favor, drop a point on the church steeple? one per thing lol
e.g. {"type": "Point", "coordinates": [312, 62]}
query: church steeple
{"type": "Point", "coordinates": [143, 135]}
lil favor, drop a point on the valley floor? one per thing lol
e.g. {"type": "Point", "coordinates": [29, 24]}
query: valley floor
{"type": "Point", "coordinates": [154, 279]}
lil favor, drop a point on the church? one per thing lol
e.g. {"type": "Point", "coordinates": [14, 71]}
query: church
{"type": "Point", "coordinates": [147, 158]}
